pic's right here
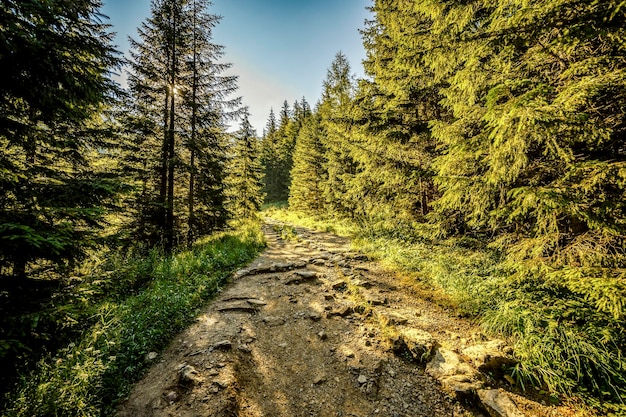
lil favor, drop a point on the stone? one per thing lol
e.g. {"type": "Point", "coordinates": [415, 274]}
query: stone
{"type": "Point", "coordinates": [307, 275]}
{"type": "Point", "coordinates": [151, 356]}
{"type": "Point", "coordinates": [418, 343]}
{"type": "Point", "coordinates": [223, 345]}
{"type": "Point", "coordinates": [375, 299]}
{"type": "Point", "coordinates": [498, 404]}
{"type": "Point", "coordinates": [319, 379]}
{"type": "Point", "coordinates": [453, 373]}
{"type": "Point", "coordinates": [489, 356]}
{"type": "Point", "coordinates": [237, 306]}
{"type": "Point", "coordinates": [256, 303]}
{"type": "Point", "coordinates": [274, 321]}
{"type": "Point", "coordinates": [315, 316]}
{"type": "Point", "coordinates": [362, 379]}
{"type": "Point", "coordinates": [342, 311]}
{"type": "Point", "coordinates": [322, 335]}
{"type": "Point", "coordinates": [221, 382]}
{"type": "Point", "coordinates": [396, 318]}
{"type": "Point", "coordinates": [338, 285]}
{"type": "Point", "coordinates": [188, 375]}
{"type": "Point", "coordinates": [171, 396]}
{"type": "Point", "coordinates": [299, 277]}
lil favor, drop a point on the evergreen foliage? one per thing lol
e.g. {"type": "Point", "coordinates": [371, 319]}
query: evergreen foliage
{"type": "Point", "coordinates": [56, 62]}
{"type": "Point", "coordinates": [334, 108]}
{"type": "Point", "coordinates": [278, 144]}
{"type": "Point", "coordinates": [307, 174]}
{"type": "Point", "coordinates": [180, 105]}
{"type": "Point", "coordinates": [245, 176]}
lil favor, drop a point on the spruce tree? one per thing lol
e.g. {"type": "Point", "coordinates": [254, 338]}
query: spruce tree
{"type": "Point", "coordinates": [245, 176]}
{"type": "Point", "coordinates": [393, 108]}
{"type": "Point", "coordinates": [307, 174]}
{"type": "Point", "coordinates": [56, 64]}
{"type": "Point", "coordinates": [334, 109]}
{"type": "Point", "coordinates": [181, 95]}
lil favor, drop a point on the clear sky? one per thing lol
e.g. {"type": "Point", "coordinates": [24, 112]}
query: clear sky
{"type": "Point", "coordinates": [280, 49]}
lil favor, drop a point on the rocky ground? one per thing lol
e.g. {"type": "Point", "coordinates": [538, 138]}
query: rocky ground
{"type": "Point", "coordinates": [311, 328]}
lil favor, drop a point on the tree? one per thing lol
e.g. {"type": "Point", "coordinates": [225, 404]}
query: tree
{"type": "Point", "coordinates": [245, 179]}
{"type": "Point", "coordinates": [307, 174]}
{"type": "Point", "coordinates": [392, 142]}
{"type": "Point", "coordinates": [184, 95]}
{"type": "Point", "coordinates": [334, 109]}
{"type": "Point", "coordinates": [207, 106]}
{"type": "Point", "coordinates": [55, 86]}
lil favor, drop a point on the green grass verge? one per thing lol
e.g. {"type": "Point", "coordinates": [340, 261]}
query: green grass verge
{"type": "Point", "coordinates": [568, 339]}
{"type": "Point", "coordinates": [91, 375]}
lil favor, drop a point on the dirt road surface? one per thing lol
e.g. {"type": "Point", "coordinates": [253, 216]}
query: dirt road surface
{"type": "Point", "coordinates": [310, 328]}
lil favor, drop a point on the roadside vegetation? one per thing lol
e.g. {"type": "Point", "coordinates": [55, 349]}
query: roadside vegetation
{"type": "Point", "coordinates": [544, 321]}
{"type": "Point", "coordinates": [128, 306]}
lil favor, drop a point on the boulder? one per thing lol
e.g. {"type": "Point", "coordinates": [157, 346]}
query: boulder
{"type": "Point", "coordinates": [453, 373]}
{"type": "Point", "coordinates": [489, 356]}
{"type": "Point", "coordinates": [188, 375]}
{"type": "Point", "coordinates": [498, 404]}
{"type": "Point", "coordinates": [418, 343]}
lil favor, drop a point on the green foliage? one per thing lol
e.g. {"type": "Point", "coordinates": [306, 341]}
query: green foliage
{"type": "Point", "coordinates": [307, 174]}
{"type": "Point", "coordinates": [88, 377]}
{"type": "Point", "coordinates": [53, 193]}
{"type": "Point", "coordinates": [567, 331]}
{"type": "Point", "coordinates": [245, 176]}
{"type": "Point", "coordinates": [277, 148]}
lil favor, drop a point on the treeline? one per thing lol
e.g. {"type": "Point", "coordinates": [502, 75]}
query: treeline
{"type": "Point", "coordinates": [86, 164]}
{"type": "Point", "coordinates": [499, 125]}
{"type": "Point", "coordinates": [95, 177]}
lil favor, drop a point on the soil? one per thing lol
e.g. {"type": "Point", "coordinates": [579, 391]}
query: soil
{"type": "Point", "coordinates": [307, 330]}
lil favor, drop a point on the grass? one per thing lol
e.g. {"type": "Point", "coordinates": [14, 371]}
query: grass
{"type": "Point", "coordinates": [567, 343]}
{"type": "Point", "coordinates": [89, 376]}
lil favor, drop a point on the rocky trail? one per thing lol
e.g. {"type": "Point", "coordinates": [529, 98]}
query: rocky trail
{"type": "Point", "coordinates": [311, 328]}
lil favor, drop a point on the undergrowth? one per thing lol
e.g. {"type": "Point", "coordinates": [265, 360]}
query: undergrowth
{"type": "Point", "coordinates": [142, 302]}
{"type": "Point", "coordinates": [568, 331]}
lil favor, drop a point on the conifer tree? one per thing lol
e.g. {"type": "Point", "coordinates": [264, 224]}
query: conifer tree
{"type": "Point", "coordinates": [207, 106]}
{"type": "Point", "coordinates": [334, 109]}
{"type": "Point", "coordinates": [56, 64]}
{"type": "Point", "coordinates": [245, 177]}
{"type": "Point", "coordinates": [184, 95]}
{"type": "Point", "coordinates": [269, 160]}
{"type": "Point", "coordinates": [393, 145]}
{"type": "Point", "coordinates": [307, 174]}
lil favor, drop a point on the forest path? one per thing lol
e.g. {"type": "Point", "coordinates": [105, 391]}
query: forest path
{"type": "Point", "coordinates": [311, 328]}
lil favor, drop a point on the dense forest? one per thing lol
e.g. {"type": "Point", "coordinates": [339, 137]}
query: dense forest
{"type": "Point", "coordinates": [492, 125]}
{"type": "Point", "coordinates": [101, 186]}
{"type": "Point", "coordinates": [490, 128]}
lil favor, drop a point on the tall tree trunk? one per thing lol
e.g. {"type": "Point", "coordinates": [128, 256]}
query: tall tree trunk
{"type": "Point", "coordinates": [169, 217]}
{"type": "Point", "coordinates": [192, 144]}
{"type": "Point", "coordinates": [163, 168]}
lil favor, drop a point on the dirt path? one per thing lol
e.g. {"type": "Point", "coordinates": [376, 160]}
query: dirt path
{"type": "Point", "coordinates": [312, 329]}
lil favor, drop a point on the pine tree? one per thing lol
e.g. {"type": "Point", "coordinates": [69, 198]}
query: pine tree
{"type": "Point", "coordinates": [56, 62]}
{"type": "Point", "coordinates": [245, 177]}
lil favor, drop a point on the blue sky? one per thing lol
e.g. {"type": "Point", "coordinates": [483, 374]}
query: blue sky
{"type": "Point", "coordinates": [280, 49]}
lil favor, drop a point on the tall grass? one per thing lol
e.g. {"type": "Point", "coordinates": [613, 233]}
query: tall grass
{"type": "Point", "coordinates": [568, 336]}
{"type": "Point", "coordinates": [89, 376]}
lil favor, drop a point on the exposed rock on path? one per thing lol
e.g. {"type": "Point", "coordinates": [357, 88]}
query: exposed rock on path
{"type": "Point", "coordinates": [313, 329]}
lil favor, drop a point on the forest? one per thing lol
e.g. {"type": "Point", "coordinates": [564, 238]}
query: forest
{"type": "Point", "coordinates": [483, 152]}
